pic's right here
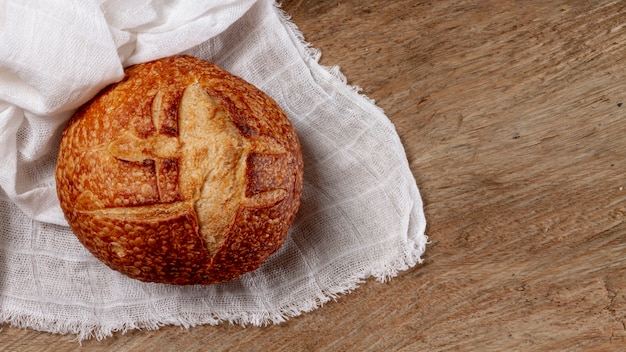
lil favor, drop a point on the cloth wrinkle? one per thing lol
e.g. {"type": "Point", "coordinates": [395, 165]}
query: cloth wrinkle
{"type": "Point", "coordinates": [361, 213]}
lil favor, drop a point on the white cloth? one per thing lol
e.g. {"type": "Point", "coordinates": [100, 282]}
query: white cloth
{"type": "Point", "coordinates": [361, 214]}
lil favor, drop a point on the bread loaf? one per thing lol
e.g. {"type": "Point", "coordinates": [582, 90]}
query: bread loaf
{"type": "Point", "coordinates": [181, 173]}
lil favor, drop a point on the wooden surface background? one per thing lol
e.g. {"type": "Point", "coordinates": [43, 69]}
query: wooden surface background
{"type": "Point", "coordinates": [513, 116]}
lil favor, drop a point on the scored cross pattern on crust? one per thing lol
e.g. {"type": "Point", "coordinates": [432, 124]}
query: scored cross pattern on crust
{"type": "Point", "coordinates": [158, 149]}
{"type": "Point", "coordinates": [197, 155]}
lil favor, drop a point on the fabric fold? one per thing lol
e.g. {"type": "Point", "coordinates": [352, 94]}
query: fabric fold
{"type": "Point", "coordinates": [361, 214]}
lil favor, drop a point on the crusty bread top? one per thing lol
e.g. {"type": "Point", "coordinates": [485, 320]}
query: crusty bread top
{"type": "Point", "coordinates": [180, 141]}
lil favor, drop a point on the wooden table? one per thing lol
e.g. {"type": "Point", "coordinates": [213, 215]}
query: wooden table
{"type": "Point", "coordinates": [513, 116]}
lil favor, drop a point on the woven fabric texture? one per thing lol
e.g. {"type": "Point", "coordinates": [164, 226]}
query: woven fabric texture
{"type": "Point", "coordinates": [361, 214]}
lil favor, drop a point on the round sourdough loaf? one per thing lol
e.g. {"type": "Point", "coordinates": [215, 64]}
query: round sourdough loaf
{"type": "Point", "coordinates": [181, 173]}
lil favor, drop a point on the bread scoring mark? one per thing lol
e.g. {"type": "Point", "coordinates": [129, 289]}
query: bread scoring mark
{"type": "Point", "coordinates": [130, 147]}
{"type": "Point", "coordinates": [211, 168]}
{"type": "Point", "coordinates": [133, 213]}
{"type": "Point", "coordinates": [135, 237]}
{"type": "Point", "coordinates": [157, 144]}
{"type": "Point", "coordinates": [165, 112]}
{"type": "Point", "coordinates": [215, 155]}
{"type": "Point", "coordinates": [157, 102]}
{"type": "Point", "coordinates": [267, 146]}
{"type": "Point", "coordinates": [266, 199]}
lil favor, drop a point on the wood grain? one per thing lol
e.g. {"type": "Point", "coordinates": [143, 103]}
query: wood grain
{"type": "Point", "coordinates": [513, 115]}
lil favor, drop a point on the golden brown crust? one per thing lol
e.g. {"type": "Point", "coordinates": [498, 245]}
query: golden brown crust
{"type": "Point", "coordinates": [181, 173]}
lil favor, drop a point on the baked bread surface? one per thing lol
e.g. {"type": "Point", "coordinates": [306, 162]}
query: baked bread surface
{"type": "Point", "coordinates": [181, 173]}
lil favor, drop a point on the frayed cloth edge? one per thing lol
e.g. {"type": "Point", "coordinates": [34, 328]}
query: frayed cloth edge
{"type": "Point", "coordinates": [412, 248]}
{"type": "Point", "coordinates": [314, 54]}
{"type": "Point", "coordinates": [83, 332]}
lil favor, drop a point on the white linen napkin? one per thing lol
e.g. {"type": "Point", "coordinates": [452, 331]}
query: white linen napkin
{"type": "Point", "coordinates": [361, 214]}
